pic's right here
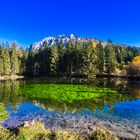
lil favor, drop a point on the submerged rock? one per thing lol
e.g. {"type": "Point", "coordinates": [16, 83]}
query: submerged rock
{"type": "Point", "coordinates": [83, 122]}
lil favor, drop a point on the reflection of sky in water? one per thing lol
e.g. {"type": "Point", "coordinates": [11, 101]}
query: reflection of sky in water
{"type": "Point", "coordinates": [125, 110]}
{"type": "Point", "coordinates": [129, 109]}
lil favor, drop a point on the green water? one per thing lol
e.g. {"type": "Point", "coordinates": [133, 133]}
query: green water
{"type": "Point", "coordinates": [65, 95]}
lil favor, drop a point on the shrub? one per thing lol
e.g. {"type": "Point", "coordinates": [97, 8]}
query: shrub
{"type": "Point", "coordinates": [101, 134]}
{"type": "Point", "coordinates": [5, 134]}
{"type": "Point", "coordinates": [65, 135]}
{"type": "Point", "coordinates": [37, 131]}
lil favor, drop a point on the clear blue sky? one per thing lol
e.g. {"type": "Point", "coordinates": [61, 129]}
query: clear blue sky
{"type": "Point", "coordinates": [28, 21]}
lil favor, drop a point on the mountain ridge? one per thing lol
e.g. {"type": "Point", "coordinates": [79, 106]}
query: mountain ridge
{"type": "Point", "coordinates": [51, 40]}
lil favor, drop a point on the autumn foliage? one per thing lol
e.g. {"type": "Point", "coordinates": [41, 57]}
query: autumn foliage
{"type": "Point", "coordinates": [134, 67]}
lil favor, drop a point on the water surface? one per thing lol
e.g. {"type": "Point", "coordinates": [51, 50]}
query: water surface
{"type": "Point", "coordinates": [107, 98]}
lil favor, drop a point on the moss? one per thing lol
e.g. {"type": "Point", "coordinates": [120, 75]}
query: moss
{"type": "Point", "coordinates": [102, 134]}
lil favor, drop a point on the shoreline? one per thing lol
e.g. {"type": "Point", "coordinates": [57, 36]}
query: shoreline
{"type": "Point", "coordinates": [117, 76]}
{"type": "Point", "coordinates": [12, 77]}
{"type": "Point", "coordinates": [83, 123]}
{"type": "Point", "coordinates": [16, 77]}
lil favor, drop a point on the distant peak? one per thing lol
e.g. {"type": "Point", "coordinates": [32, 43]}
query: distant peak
{"type": "Point", "coordinates": [51, 40]}
{"type": "Point", "coordinates": [72, 35]}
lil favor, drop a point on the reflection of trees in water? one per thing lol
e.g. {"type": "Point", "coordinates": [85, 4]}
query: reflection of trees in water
{"type": "Point", "coordinates": [92, 104]}
{"type": "Point", "coordinates": [9, 93]}
{"type": "Point", "coordinates": [134, 87]}
{"type": "Point", "coordinates": [106, 82]}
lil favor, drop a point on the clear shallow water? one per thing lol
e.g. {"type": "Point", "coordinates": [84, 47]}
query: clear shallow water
{"type": "Point", "coordinates": [104, 98]}
{"type": "Point", "coordinates": [125, 110]}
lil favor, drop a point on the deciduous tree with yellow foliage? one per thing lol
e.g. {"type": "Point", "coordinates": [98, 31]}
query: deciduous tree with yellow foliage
{"type": "Point", "coordinates": [134, 68]}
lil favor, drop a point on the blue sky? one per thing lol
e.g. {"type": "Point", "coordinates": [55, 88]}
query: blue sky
{"type": "Point", "coordinates": [27, 21]}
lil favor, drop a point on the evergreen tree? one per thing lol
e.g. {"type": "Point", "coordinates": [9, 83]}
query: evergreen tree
{"type": "Point", "coordinates": [6, 62]}
{"type": "Point", "coordinates": [1, 61]}
{"type": "Point", "coordinates": [100, 58]}
{"type": "Point", "coordinates": [53, 60]}
{"type": "Point", "coordinates": [36, 68]}
{"type": "Point", "coordinates": [78, 58]}
{"type": "Point", "coordinates": [119, 56]}
{"type": "Point", "coordinates": [90, 59]}
{"type": "Point", "coordinates": [110, 58]}
{"type": "Point", "coordinates": [68, 58]}
{"type": "Point", "coordinates": [22, 56]}
{"type": "Point", "coordinates": [61, 51]}
{"type": "Point", "coordinates": [44, 60]}
{"type": "Point", "coordinates": [14, 60]}
{"type": "Point", "coordinates": [30, 63]}
{"type": "Point", "coordinates": [5, 65]}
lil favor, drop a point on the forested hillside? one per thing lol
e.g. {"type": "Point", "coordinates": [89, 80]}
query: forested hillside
{"type": "Point", "coordinates": [72, 59]}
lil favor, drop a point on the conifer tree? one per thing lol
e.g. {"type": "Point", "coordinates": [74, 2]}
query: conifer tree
{"type": "Point", "coordinates": [53, 60]}
{"type": "Point", "coordinates": [14, 60]}
{"type": "Point", "coordinates": [68, 58]}
{"type": "Point", "coordinates": [6, 62]}
{"type": "Point", "coordinates": [1, 60]}
{"type": "Point", "coordinates": [61, 51]}
{"type": "Point", "coordinates": [30, 63]}
{"type": "Point", "coordinates": [110, 58]}
{"type": "Point", "coordinates": [22, 56]}
{"type": "Point", "coordinates": [90, 59]}
{"type": "Point", "coordinates": [100, 58]}
{"type": "Point", "coordinates": [78, 58]}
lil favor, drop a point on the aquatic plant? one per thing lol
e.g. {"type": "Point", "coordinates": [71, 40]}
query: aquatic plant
{"type": "Point", "coordinates": [59, 97]}
{"type": "Point", "coordinates": [65, 93]}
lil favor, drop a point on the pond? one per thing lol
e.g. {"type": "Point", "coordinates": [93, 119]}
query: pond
{"type": "Point", "coordinates": [106, 99]}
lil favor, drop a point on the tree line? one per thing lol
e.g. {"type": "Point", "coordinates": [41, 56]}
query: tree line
{"type": "Point", "coordinates": [12, 60]}
{"type": "Point", "coordinates": [72, 59]}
